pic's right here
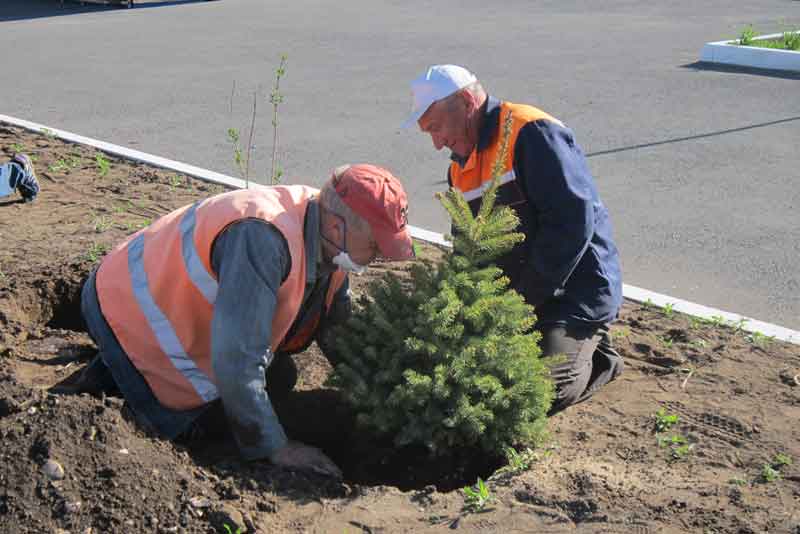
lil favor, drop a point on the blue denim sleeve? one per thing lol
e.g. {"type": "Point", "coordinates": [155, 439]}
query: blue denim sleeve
{"type": "Point", "coordinates": [251, 259]}
{"type": "Point", "coordinates": [560, 189]}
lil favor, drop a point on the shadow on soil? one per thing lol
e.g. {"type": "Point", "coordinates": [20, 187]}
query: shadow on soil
{"type": "Point", "coordinates": [318, 417]}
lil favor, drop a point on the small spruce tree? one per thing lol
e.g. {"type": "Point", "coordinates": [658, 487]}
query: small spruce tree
{"type": "Point", "coordinates": [448, 359]}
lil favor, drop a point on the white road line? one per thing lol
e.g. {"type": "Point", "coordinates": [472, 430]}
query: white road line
{"type": "Point", "coordinates": [630, 292]}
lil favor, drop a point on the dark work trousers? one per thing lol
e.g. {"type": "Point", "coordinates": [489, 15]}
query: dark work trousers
{"type": "Point", "coordinates": [589, 361]}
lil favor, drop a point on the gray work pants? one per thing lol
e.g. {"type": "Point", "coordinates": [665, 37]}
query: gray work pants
{"type": "Point", "coordinates": [589, 361]}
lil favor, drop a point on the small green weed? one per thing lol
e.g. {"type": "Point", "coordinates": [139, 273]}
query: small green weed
{"type": "Point", "coordinates": [669, 309]}
{"type": "Point", "coordinates": [770, 474]}
{"type": "Point", "coordinates": [738, 481]}
{"type": "Point", "coordinates": [781, 459]}
{"type": "Point", "coordinates": [758, 339]}
{"type": "Point", "coordinates": [747, 36]}
{"type": "Point", "coordinates": [476, 497]}
{"type": "Point", "coordinates": [48, 133]}
{"type": "Point", "coordinates": [103, 165]}
{"type": "Point", "coordinates": [59, 166]}
{"type": "Point", "coordinates": [679, 447]}
{"type": "Point", "coordinates": [96, 250]}
{"type": "Point", "coordinates": [791, 40]}
{"type": "Point", "coordinates": [664, 420]}
{"type": "Point", "coordinates": [716, 321]}
{"type": "Point", "coordinates": [739, 325]}
{"type": "Point", "coordinates": [228, 529]}
{"type": "Point", "coordinates": [648, 304]}
{"type": "Point", "coordinates": [174, 181]}
{"type": "Point", "coordinates": [517, 462]}
{"type": "Point", "coordinates": [696, 322]}
{"type": "Point", "coordinates": [17, 147]}
{"type": "Point", "coordinates": [101, 224]}
{"type": "Point", "coordinates": [620, 333]}
{"type": "Point", "coordinates": [666, 341]}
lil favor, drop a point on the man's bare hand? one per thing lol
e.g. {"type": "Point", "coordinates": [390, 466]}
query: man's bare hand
{"type": "Point", "coordinates": [296, 455]}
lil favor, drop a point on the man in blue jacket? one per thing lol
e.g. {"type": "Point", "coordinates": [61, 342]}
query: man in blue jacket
{"type": "Point", "coordinates": [568, 266]}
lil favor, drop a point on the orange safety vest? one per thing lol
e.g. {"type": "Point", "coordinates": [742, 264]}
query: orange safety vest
{"type": "Point", "coordinates": [157, 289]}
{"type": "Point", "coordinates": [475, 177]}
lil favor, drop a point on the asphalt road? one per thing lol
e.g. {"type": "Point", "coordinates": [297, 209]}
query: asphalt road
{"type": "Point", "coordinates": [699, 167]}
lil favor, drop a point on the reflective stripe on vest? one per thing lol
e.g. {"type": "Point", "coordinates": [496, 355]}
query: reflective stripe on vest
{"type": "Point", "coordinates": [157, 290]}
{"type": "Point", "coordinates": [200, 277]}
{"type": "Point", "coordinates": [479, 191]}
{"type": "Point", "coordinates": [475, 177]}
{"type": "Point", "coordinates": [160, 325]}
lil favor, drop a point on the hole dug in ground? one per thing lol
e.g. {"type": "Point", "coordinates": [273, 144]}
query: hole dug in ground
{"type": "Point", "coordinates": [58, 349]}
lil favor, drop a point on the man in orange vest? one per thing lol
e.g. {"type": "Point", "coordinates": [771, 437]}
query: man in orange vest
{"type": "Point", "coordinates": [196, 307]}
{"type": "Point", "coordinates": [568, 266]}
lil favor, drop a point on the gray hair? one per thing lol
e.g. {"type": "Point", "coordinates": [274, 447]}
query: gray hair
{"type": "Point", "coordinates": [475, 88]}
{"type": "Point", "coordinates": [331, 201]}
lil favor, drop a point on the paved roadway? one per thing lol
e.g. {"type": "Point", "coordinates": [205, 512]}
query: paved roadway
{"type": "Point", "coordinates": [699, 167]}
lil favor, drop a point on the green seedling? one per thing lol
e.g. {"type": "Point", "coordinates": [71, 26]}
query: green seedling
{"type": "Point", "coordinates": [48, 133]}
{"type": "Point", "coordinates": [791, 40]}
{"type": "Point", "coordinates": [476, 497]}
{"type": "Point", "coordinates": [747, 36]}
{"type": "Point", "coordinates": [770, 474]}
{"type": "Point", "coordinates": [620, 333]}
{"type": "Point", "coordinates": [648, 304]}
{"type": "Point", "coordinates": [228, 529]}
{"type": "Point", "coordinates": [16, 147]}
{"type": "Point", "coordinates": [59, 166]}
{"type": "Point", "coordinates": [678, 445]}
{"type": "Point", "coordinates": [174, 181]}
{"type": "Point", "coordinates": [664, 420]}
{"type": "Point", "coordinates": [717, 321]}
{"type": "Point", "coordinates": [668, 309]}
{"type": "Point", "coordinates": [781, 459]}
{"type": "Point", "coordinates": [668, 441]}
{"type": "Point", "coordinates": [103, 165]}
{"type": "Point", "coordinates": [682, 451]}
{"type": "Point", "coordinates": [738, 326]}
{"type": "Point", "coordinates": [738, 481]}
{"type": "Point", "coordinates": [696, 322]}
{"type": "Point", "coordinates": [758, 339]}
{"type": "Point", "coordinates": [666, 341]}
{"type": "Point", "coordinates": [96, 250]}
{"type": "Point", "coordinates": [518, 462]}
{"type": "Point", "coordinates": [101, 224]}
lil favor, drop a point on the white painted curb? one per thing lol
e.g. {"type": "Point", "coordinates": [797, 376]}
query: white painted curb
{"type": "Point", "coordinates": [630, 292]}
{"type": "Point", "coordinates": [731, 53]}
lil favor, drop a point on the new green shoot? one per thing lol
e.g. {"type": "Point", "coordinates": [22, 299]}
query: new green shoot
{"type": "Point", "coordinates": [664, 420]}
{"type": "Point", "coordinates": [102, 163]}
{"type": "Point", "coordinates": [476, 497]}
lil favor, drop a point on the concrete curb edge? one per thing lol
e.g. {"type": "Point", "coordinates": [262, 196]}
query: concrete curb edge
{"type": "Point", "coordinates": [630, 292]}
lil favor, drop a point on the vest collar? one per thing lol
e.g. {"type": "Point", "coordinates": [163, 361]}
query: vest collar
{"type": "Point", "coordinates": [486, 133]}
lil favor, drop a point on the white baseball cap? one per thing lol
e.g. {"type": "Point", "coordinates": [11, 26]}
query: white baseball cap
{"type": "Point", "coordinates": [438, 82]}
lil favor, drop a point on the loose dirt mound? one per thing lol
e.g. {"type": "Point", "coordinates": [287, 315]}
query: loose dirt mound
{"type": "Point", "coordinates": [78, 463]}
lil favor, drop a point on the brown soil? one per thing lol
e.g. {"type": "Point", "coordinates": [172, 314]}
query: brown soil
{"type": "Point", "coordinates": [737, 399]}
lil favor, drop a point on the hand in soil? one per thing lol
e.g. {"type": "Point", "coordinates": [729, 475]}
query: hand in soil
{"type": "Point", "coordinates": [296, 455]}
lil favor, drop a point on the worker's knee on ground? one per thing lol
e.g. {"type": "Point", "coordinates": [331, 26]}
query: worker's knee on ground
{"type": "Point", "coordinates": [569, 393]}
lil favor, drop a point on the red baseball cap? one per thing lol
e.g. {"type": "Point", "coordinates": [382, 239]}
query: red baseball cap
{"type": "Point", "coordinates": [376, 196]}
